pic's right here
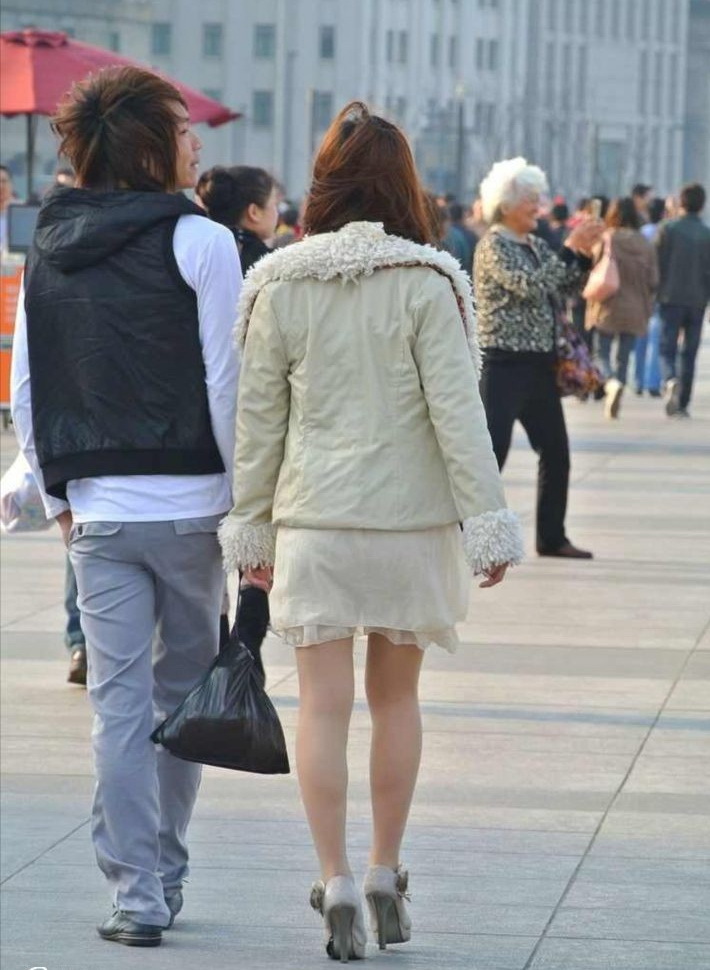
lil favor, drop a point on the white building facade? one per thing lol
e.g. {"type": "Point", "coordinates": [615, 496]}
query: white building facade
{"type": "Point", "coordinates": [592, 90]}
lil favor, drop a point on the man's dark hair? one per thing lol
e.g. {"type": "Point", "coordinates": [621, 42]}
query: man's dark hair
{"type": "Point", "coordinates": [656, 210]}
{"type": "Point", "coordinates": [456, 212]}
{"type": "Point", "coordinates": [640, 190]}
{"type": "Point", "coordinates": [4, 168]}
{"type": "Point", "coordinates": [560, 212]}
{"type": "Point", "coordinates": [692, 197]}
{"type": "Point", "coordinates": [118, 129]}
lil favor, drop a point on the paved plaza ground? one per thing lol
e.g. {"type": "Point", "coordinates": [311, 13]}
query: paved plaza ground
{"type": "Point", "coordinates": [562, 820]}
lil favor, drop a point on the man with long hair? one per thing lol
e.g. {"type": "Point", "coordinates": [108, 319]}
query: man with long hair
{"type": "Point", "coordinates": [124, 381]}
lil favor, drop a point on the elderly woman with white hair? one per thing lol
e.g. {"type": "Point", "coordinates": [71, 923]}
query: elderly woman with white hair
{"type": "Point", "coordinates": [519, 286]}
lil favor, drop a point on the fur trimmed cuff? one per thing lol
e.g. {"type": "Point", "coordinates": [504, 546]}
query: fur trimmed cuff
{"type": "Point", "coordinates": [492, 538]}
{"type": "Point", "coordinates": [246, 546]}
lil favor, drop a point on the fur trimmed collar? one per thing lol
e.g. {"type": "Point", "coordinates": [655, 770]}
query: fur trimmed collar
{"type": "Point", "coordinates": [358, 249]}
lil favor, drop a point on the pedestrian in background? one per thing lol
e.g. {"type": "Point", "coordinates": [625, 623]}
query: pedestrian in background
{"type": "Point", "coordinates": [520, 284]}
{"type": "Point", "coordinates": [460, 241]}
{"type": "Point", "coordinates": [647, 360]}
{"type": "Point", "coordinates": [361, 445]}
{"type": "Point", "coordinates": [641, 197]}
{"type": "Point", "coordinates": [245, 199]}
{"type": "Point", "coordinates": [624, 316]}
{"type": "Point", "coordinates": [129, 295]}
{"type": "Point", "coordinates": [684, 263]}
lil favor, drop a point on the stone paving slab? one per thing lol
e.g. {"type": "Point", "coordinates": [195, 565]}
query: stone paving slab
{"type": "Point", "coordinates": [563, 816]}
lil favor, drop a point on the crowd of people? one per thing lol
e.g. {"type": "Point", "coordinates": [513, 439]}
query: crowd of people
{"type": "Point", "coordinates": [343, 458]}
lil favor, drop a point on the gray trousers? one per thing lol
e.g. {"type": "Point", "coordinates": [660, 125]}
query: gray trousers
{"type": "Point", "coordinates": [150, 596]}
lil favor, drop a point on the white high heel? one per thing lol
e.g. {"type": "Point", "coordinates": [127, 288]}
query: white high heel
{"type": "Point", "coordinates": [385, 891]}
{"type": "Point", "coordinates": [339, 904]}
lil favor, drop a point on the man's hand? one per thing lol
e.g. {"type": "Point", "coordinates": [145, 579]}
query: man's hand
{"type": "Point", "coordinates": [65, 521]}
{"type": "Point", "coordinates": [494, 575]}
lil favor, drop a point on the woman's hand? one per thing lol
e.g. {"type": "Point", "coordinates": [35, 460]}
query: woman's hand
{"type": "Point", "coordinates": [494, 575]}
{"type": "Point", "coordinates": [262, 578]}
{"type": "Point", "coordinates": [585, 236]}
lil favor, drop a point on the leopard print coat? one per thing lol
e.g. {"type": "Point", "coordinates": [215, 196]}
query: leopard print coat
{"type": "Point", "coordinates": [518, 287]}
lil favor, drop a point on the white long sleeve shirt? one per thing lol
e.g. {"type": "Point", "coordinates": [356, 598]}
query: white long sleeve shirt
{"type": "Point", "coordinates": [207, 257]}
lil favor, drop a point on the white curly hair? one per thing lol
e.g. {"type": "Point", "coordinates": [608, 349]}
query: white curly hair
{"type": "Point", "coordinates": [507, 183]}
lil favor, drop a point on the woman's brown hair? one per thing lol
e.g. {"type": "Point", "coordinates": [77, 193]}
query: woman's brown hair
{"type": "Point", "coordinates": [623, 214]}
{"type": "Point", "coordinates": [364, 171]}
{"type": "Point", "coordinates": [118, 128]}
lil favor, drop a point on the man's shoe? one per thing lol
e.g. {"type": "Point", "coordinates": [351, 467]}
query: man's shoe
{"type": "Point", "coordinates": [568, 551]}
{"type": "Point", "coordinates": [121, 928]}
{"type": "Point", "coordinates": [673, 393]}
{"type": "Point", "coordinates": [77, 667]}
{"type": "Point", "coordinates": [173, 900]}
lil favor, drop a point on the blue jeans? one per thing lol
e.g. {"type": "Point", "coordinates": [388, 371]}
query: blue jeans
{"type": "Point", "coordinates": [73, 634]}
{"type": "Point", "coordinates": [688, 321]}
{"type": "Point", "coordinates": [647, 355]}
{"type": "Point", "coordinates": [624, 346]}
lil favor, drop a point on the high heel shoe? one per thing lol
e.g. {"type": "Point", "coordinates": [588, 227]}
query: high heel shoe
{"type": "Point", "coordinates": [385, 891]}
{"type": "Point", "coordinates": [338, 903]}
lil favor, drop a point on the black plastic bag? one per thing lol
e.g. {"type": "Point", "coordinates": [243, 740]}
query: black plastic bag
{"type": "Point", "coordinates": [227, 719]}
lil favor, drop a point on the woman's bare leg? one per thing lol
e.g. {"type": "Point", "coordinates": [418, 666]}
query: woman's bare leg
{"type": "Point", "coordinates": [326, 686]}
{"type": "Point", "coordinates": [391, 682]}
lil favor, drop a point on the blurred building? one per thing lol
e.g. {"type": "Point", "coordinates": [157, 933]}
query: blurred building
{"type": "Point", "coordinates": [593, 90]}
{"type": "Point", "coordinates": [697, 107]}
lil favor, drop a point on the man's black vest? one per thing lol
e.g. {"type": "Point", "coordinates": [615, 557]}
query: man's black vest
{"type": "Point", "coordinates": [116, 367]}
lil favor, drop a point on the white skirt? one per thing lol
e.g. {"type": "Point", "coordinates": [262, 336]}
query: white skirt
{"type": "Point", "coordinates": [330, 584]}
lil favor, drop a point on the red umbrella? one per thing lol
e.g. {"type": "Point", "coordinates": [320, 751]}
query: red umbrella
{"type": "Point", "coordinates": [38, 67]}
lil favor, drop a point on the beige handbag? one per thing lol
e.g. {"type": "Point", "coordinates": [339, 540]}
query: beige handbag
{"type": "Point", "coordinates": [603, 280]}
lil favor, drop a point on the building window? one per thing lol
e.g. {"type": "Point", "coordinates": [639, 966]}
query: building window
{"type": "Point", "coordinates": [326, 43]}
{"type": "Point", "coordinates": [263, 109]}
{"type": "Point", "coordinates": [434, 50]}
{"type": "Point", "coordinates": [160, 38]}
{"type": "Point", "coordinates": [453, 51]}
{"type": "Point", "coordinates": [601, 18]}
{"type": "Point", "coordinates": [673, 85]}
{"type": "Point", "coordinates": [566, 88]}
{"type": "Point", "coordinates": [403, 48]}
{"type": "Point", "coordinates": [645, 19]}
{"type": "Point", "coordinates": [570, 11]}
{"type": "Point", "coordinates": [212, 40]}
{"type": "Point", "coordinates": [550, 74]}
{"type": "Point", "coordinates": [484, 118]}
{"type": "Point", "coordinates": [583, 18]}
{"type": "Point", "coordinates": [322, 110]}
{"type": "Point", "coordinates": [643, 82]}
{"type": "Point", "coordinates": [264, 41]}
{"type": "Point", "coordinates": [214, 93]}
{"type": "Point", "coordinates": [480, 53]}
{"type": "Point", "coordinates": [389, 41]}
{"type": "Point", "coordinates": [114, 41]}
{"type": "Point", "coordinates": [581, 77]}
{"type": "Point", "coordinates": [552, 15]}
{"type": "Point", "coordinates": [492, 55]}
{"type": "Point", "coordinates": [615, 26]}
{"type": "Point", "coordinates": [631, 20]}
{"type": "Point", "coordinates": [658, 84]}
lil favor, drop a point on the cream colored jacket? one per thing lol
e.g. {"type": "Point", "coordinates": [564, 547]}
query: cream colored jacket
{"type": "Point", "coordinates": [358, 400]}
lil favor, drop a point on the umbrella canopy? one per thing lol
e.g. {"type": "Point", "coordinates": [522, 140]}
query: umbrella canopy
{"type": "Point", "coordinates": [38, 67]}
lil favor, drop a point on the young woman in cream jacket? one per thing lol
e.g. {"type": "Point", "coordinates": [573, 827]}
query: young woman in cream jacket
{"type": "Point", "coordinates": [362, 445]}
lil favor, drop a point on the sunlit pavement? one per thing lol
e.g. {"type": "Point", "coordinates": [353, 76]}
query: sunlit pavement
{"type": "Point", "coordinates": [562, 820]}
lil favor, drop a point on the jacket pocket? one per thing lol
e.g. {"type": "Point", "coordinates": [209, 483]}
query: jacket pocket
{"type": "Point", "coordinates": [205, 524]}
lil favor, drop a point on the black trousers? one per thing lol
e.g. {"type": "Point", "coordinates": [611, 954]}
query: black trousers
{"type": "Point", "coordinates": [522, 387]}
